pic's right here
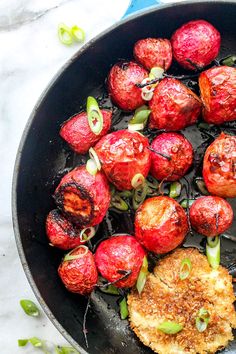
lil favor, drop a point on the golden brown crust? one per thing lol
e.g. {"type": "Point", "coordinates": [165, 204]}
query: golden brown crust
{"type": "Point", "coordinates": [167, 298]}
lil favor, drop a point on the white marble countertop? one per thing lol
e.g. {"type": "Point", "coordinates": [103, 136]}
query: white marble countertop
{"type": "Point", "coordinates": [30, 56]}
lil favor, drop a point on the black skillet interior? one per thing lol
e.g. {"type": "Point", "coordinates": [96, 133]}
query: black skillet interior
{"type": "Point", "coordinates": [43, 158]}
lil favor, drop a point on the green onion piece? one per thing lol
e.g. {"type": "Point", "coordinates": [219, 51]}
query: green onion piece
{"type": "Point", "coordinates": [70, 257]}
{"type": "Point", "coordinates": [64, 34]}
{"type": "Point", "coordinates": [137, 180]}
{"type": "Point", "coordinates": [185, 268]}
{"type": "Point", "coordinates": [169, 327]}
{"type": "Point", "coordinates": [65, 350]}
{"type": "Point", "coordinates": [202, 320]}
{"type": "Point", "coordinates": [187, 202]}
{"type": "Point", "coordinates": [156, 73]}
{"type": "Point", "coordinates": [36, 342]}
{"type": "Point", "coordinates": [29, 307]}
{"type": "Point", "coordinates": [110, 289]}
{"type": "Point", "coordinates": [213, 254]}
{"type": "Point", "coordinates": [175, 190]}
{"type": "Point", "coordinates": [78, 34]}
{"type": "Point", "coordinates": [140, 115]}
{"type": "Point", "coordinates": [229, 61]}
{"type": "Point", "coordinates": [212, 241]}
{"type": "Point", "coordinates": [123, 309]}
{"type": "Point", "coordinates": [201, 186]}
{"type": "Point", "coordinates": [118, 203]}
{"type": "Point", "coordinates": [87, 233]}
{"type": "Point", "coordinates": [91, 167]}
{"type": "Point", "coordinates": [152, 192]}
{"type": "Point", "coordinates": [125, 194]}
{"type": "Point", "coordinates": [139, 195]}
{"type": "Point", "coordinates": [142, 275]}
{"type": "Point", "coordinates": [95, 117]}
{"type": "Point", "coordinates": [22, 342]}
{"type": "Point", "coordinates": [93, 155]}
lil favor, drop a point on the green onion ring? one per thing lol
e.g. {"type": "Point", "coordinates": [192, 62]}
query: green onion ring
{"type": "Point", "coordinates": [156, 73]}
{"type": "Point", "coordinates": [185, 268]}
{"type": "Point", "coordinates": [124, 312]}
{"type": "Point", "coordinates": [118, 203]}
{"type": "Point", "coordinates": [175, 189]}
{"type": "Point", "coordinates": [201, 186]}
{"type": "Point", "coordinates": [170, 327]}
{"type": "Point", "coordinates": [213, 253]}
{"type": "Point", "coordinates": [69, 257]}
{"type": "Point", "coordinates": [202, 320]}
{"type": "Point", "coordinates": [152, 182]}
{"type": "Point", "coordinates": [95, 117]}
{"type": "Point", "coordinates": [139, 195]}
{"type": "Point", "coordinates": [142, 275]}
{"type": "Point", "coordinates": [77, 33]}
{"type": "Point", "coordinates": [135, 127]}
{"type": "Point", "coordinates": [93, 155]}
{"type": "Point", "coordinates": [29, 307]}
{"type": "Point", "coordinates": [212, 241]}
{"type": "Point", "coordinates": [83, 234]}
{"type": "Point", "coordinates": [137, 180]}
{"type": "Point", "coordinates": [125, 194]}
{"type": "Point", "coordinates": [64, 34]}
{"type": "Point", "coordinates": [110, 289]}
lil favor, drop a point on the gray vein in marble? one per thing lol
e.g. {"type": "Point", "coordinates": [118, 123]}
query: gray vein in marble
{"type": "Point", "coordinates": [23, 16]}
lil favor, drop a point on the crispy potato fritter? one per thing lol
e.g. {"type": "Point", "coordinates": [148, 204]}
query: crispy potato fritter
{"type": "Point", "coordinates": [168, 298]}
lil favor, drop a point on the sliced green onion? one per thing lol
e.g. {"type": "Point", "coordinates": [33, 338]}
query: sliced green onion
{"type": "Point", "coordinates": [30, 308]}
{"type": "Point", "coordinates": [123, 309]}
{"type": "Point", "coordinates": [118, 203]}
{"type": "Point", "coordinates": [202, 320]}
{"type": "Point", "coordinates": [125, 194]}
{"type": "Point", "coordinates": [87, 233]}
{"type": "Point", "coordinates": [141, 115]}
{"type": "Point", "coordinates": [187, 203]}
{"type": "Point", "coordinates": [229, 61]}
{"type": "Point", "coordinates": [212, 241]}
{"type": "Point", "coordinates": [137, 180]}
{"type": "Point", "coordinates": [185, 268]}
{"type": "Point", "coordinates": [156, 73]}
{"type": "Point", "coordinates": [64, 34]}
{"type": "Point", "coordinates": [93, 155]}
{"type": "Point", "coordinates": [36, 342]}
{"type": "Point", "coordinates": [170, 327]}
{"type": "Point", "coordinates": [22, 342]}
{"type": "Point", "coordinates": [152, 182]}
{"type": "Point", "coordinates": [139, 195]}
{"type": "Point", "coordinates": [78, 33]}
{"type": "Point", "coordinates": [142, 275]}
{"type": "Point", "coordinates": [65, 350]}
{"type": "Point", "coordinates": [95, 117]}
{"type": "Point", "coordinates": [91, 167]}
{"type": "Point", "coordinates": [135, 127]}
{"type": "Point", "coordinates": [152, 192]}
{"type": "Point", "coordinates": [213, 253]}
{"type": "Point", "coordinates": [110, 289]}
{"type": "Point", "coordinates": [201, 186]}
{"type": "Point", "coordinates": [147, 96]}
{"type": "Point", "coordinates": [70, 257]}
{"type": "Point", "coordinates": [175, 189]}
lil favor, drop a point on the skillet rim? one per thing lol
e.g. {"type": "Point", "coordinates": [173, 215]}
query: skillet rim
{"type": "Point", "coordinates": [53, 81]}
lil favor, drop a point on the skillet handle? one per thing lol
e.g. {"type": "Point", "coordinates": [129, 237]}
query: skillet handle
{"type": "Point", "coordinates": [136, 5]}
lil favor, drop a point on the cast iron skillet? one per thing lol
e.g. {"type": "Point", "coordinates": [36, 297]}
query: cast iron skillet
{"type": "Point", "coordinates": [43, 158]}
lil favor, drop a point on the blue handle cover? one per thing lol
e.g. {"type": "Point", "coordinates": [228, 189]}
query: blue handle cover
{"type": "Point", "coordinates": [136, 5]}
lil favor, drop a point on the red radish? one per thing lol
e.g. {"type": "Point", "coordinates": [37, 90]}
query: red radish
{"type": "Point", "coordinates": [124, 155]}
{"type": "Point", "coordinates": [153, 52]}
{"type": "Point", "coordinates": [219, 166]}
{"type": "Point", "coordinates": [78, 271]}
{"type": "Point", "coordinates": [211, 216]}
{"type": "Point", "coordinates": [160, 224]}
{"type": "Point", "coordinates": [195, 44]}
{"type": "Point", "coordinates": [172, 156]}
{"type": "Point", "coordinates": [77, 133]}
{"type": "Point", "coordinates": [83, 198]}
{"type": "Point", "coordinates": [218, 94]}
{"type": "Point", "coordinates": [122, 88]}
{"type": "Point", "coordinates": [117, 255]}
{"type": "Point", "coordinates": [173, 106]}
